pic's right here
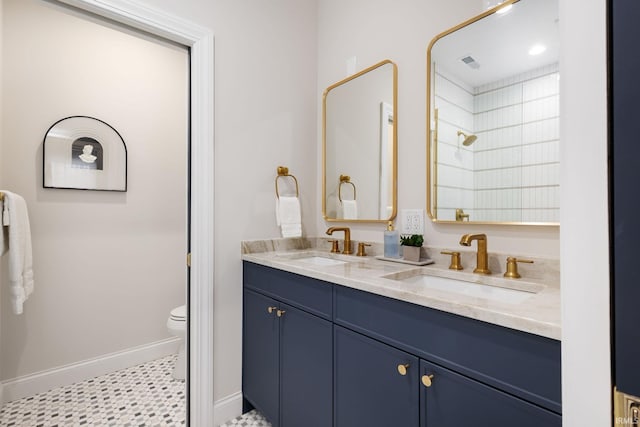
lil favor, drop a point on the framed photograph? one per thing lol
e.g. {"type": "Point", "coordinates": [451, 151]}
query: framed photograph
{"type": "Point", "coordinates": [84, 153]}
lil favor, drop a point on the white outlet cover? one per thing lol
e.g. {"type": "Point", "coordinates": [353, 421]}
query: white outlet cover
{"type": "Point", "coordinates": [412, 221]}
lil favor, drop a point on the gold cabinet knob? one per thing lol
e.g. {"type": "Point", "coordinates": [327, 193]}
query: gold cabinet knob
{"type": "Point", "coordinates": [270, 309]}
{"type": "Point", "coordinates": [280, 313]}
{"type": "Point", "coordinates": [426, 380]}
{"type": "Point", "coordinates": [402, 369]}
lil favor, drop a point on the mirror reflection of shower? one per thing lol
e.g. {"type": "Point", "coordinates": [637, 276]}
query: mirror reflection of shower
{"type": "Point", "coordinates": [468, 138]}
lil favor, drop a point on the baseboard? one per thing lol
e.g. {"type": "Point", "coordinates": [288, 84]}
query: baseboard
{"type": "Point", "coordinates": [227, 408]}
{"type": "Point", "coordinates": [42, 381]}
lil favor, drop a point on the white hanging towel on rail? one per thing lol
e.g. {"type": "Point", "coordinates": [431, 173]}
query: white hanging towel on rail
{"type": "Point", "coordinates": [16, 239]}
{"type": "Point", "coordinates": [349, 209]}
{"type": "Point", "coordinates": [288, 216]}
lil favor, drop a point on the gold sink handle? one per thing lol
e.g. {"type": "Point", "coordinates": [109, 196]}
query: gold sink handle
{"type": "Point", "coordinates": [335, 249]}
{"type": "Point", "coordinates": [362, 249]}
{"type": "Point", "coordinates": [455, 260]}
{"type": "Point", "coordinates": [512, 267]}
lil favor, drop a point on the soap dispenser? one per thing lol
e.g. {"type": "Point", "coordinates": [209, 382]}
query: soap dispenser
{"type": "Point", "coordinates": [391, 242]}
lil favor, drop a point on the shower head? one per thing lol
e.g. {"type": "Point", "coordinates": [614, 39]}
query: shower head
{"type": "Point", "coordinates": [468, 139]}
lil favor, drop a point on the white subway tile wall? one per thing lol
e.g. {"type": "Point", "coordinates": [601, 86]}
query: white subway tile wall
{"type": "Point", "coordinates": [511, 172]}
{"type": "Point", "coordinates": [455, 162]}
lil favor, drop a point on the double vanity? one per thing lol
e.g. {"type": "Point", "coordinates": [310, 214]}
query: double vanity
{"type": "Point", "coordinates": [344, 340]}
{"type": "Point", "coordinates": [348, 341]}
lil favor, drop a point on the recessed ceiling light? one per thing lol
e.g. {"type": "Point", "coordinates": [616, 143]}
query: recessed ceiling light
{"type": "Point", "coordinates": [537, 49]}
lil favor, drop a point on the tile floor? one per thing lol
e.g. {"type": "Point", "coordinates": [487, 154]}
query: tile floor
{"type": "Point", "coordinates": [142, 396]}
{"type": "Point", "coordinates": [250, 419]}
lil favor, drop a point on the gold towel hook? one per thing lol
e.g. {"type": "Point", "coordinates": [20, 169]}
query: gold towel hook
{"type": "Point", "coordinates": [346, 179]}
{"type": "Point", "coordinates": [282, 172]}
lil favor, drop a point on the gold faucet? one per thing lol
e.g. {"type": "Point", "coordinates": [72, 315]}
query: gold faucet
{"type": "Point", "coordinates": [347, 238]}
{"type": "Point", "coordinates": [482, 264]}
{"type": "Point", "coordinates": [460, 215]}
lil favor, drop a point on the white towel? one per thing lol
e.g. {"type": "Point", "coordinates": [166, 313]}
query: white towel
{"type": "Point", "coordinates": [349, 209]}
{"type": "Point", "coordinates": [20, 256]}
{"type": "Point", "coordinates": [288, 216]}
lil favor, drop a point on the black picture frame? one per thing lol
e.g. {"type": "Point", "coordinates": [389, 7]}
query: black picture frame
{"type": "Point", "coordinates": [84, 153]}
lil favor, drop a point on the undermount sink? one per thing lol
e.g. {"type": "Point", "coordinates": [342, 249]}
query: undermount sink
{"type": "Point", "coordinates": [512, 295]}
{"type": "Point", "coordinates": [315, 259]}
{"type": "Point", "coordinates": [318, 260]}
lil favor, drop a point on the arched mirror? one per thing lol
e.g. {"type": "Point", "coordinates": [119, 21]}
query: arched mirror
{"type": "Point", "coordinates": [493, 117]}
{"type": "Point", "coordinates": [360, 146]}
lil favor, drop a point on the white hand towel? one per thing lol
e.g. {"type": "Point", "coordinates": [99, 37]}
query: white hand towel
{"type": "Point", "coordinates": [349, 209]}
{"type": "Point", "coordinates": [288, 216]}
{"type": "Point", "coordinates": [20, 254]}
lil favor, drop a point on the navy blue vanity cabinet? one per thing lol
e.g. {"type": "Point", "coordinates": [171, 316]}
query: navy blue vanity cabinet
{"type": "Point", "coordinates": [448, 399]}
{"type": "Point", "coordinates": [287, 351]}
{"type": "Point", "coordinates": [524, 365]}
{"type": "Point", "coordinates": [306, 369]}
{"type": "Point", "coordinates": [375, 385]}
{"type": "Point", "coordinates": [260, 358]}
{"type": "Point", "coordinates": [342, 357]}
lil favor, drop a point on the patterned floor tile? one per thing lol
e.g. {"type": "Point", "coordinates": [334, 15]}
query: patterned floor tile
{"type": "Point", "coordinates": [250, 419]}
{"type": "Point", "coordinates": [142, 396]}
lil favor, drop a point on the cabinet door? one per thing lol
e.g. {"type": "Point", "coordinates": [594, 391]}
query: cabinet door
{"type": "Point", "coordinates": [260, 368]}
{"type": "Point", "coordinates": [368, 389]}
{"type": "Point", "coordinates": [453, 400]}
{"type": "Point", "coordinates": [306, 366]}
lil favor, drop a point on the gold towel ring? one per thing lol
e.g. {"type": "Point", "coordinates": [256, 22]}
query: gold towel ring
{"type": "Point", "coordinates": [282, 172]}
{"type": "Point", "coordinates": [345, 179]}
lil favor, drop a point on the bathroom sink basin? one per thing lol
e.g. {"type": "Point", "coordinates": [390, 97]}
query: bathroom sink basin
{"type": "Point", "coordinates": [511, 295]}
{"type": "Point", "coordinates": [314, 259]}
{"type": "Point", "coordinates": [322, 261]}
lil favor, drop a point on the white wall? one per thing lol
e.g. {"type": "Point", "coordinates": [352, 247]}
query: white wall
{"type": "Point", "coordinates": [584, 232]}
{"type": "Point", "coordinates": [265, 115]}
{"type": "Point", "coordinates": [108, 266]}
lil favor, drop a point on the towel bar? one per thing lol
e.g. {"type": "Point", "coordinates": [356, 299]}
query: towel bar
{"type": "Point", "coordinates": [283, 172]}
{"type": "Point", "coordinates": [345, 179]}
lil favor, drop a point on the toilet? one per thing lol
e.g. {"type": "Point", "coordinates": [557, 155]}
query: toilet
{"type": "Point", "coordinates": [177, 325]}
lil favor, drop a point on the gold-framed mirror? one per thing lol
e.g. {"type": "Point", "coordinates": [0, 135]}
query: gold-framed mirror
{"type": "Point", "coordinates": [493, 117]}
{"type": "Point", "coordinates": [359, 146]}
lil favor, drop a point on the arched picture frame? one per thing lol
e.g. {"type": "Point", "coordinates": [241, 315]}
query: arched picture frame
{"type": "Point", "coordinates": [84, 153]}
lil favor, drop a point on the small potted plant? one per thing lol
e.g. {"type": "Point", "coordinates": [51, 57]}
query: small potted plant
{"type": "Point", "coordinates": [412, 244]}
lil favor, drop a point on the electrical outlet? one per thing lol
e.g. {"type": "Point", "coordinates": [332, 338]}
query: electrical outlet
{"type": "Point", "coordinates": [412, 221]}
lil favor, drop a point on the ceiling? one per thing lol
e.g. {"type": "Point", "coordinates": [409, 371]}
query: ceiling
{"type": "Point", "coordinates": [500, 43]}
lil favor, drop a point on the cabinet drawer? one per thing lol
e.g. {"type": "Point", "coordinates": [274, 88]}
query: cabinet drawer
{"type": "Point", "coordinates": [314, 296]}
{"type": "Point", "coordinates": [453, 400]}
{"type": "Point", "coordinates": [522, 364]}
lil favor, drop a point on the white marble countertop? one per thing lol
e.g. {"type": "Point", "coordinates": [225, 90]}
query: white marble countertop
{"type": "Point", "coordinates": [535, 307]}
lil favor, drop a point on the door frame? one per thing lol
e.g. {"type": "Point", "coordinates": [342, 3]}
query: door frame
{"type": "Point", "coordinates": [200, 299]}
